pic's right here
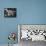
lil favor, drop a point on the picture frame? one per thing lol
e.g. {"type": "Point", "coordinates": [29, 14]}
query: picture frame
{"type": "Point", "coordinates": [9, 12]}
{"type": "Point", "coordinates": [34, 30]}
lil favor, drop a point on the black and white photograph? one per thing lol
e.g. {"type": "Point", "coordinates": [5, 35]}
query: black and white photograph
{"type": "Point", "coordinates": [10, 12]}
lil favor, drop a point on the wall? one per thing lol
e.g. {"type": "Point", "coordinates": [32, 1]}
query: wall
{"type": "Point", "coordinates": [28, 12]}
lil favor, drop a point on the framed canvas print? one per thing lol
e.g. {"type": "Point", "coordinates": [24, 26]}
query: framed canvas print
{"type": "Point", "coordinates": [32, 32]}
{"type": "Point", "coordinates": [9, 12]}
